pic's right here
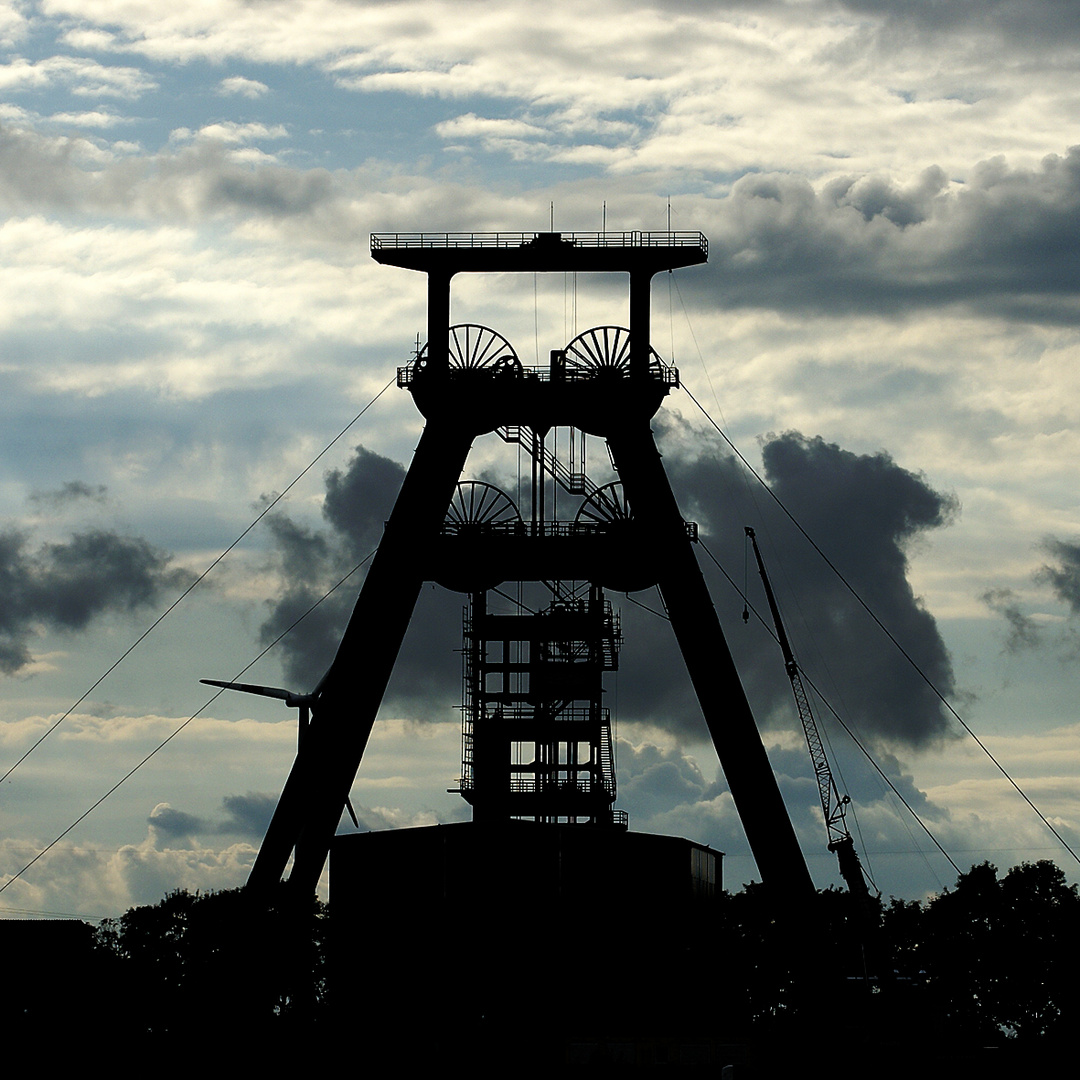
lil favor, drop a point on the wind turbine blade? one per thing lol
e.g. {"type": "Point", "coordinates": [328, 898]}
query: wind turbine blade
{"type": "Point", "coordinates": [251, 688]}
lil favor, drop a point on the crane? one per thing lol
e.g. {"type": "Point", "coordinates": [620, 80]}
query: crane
{"type": "Point", "coordinates": [833, 805]}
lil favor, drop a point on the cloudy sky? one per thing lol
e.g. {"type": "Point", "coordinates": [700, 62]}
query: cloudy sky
{"type": "Point", "coordinates": [887, 329]}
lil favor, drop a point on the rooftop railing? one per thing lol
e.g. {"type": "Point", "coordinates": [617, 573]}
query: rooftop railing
{"type": "Point", "coordinates": [633, 239]}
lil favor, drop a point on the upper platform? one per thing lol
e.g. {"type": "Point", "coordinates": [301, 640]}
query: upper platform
{"type": "Point", "coordinates": [540, 252]}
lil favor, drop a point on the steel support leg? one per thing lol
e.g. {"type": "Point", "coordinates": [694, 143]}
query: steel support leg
{"type": "Point", "coordinates": [349, 696]}
{"type": "Point", "coordinates": [709, 663]}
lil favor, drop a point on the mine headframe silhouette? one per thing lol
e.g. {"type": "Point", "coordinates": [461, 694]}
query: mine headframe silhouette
{"type": "Point", "coordinates": [535, 676]}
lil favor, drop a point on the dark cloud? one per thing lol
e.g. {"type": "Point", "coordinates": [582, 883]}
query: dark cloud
{"type": "Point", "coordinates": [73, 491]}
{"type": "Point", "coordinates": [359, 500]}
{"type": "Point", "coordinates": [173, 825]}
{"type": "Point", "coordinates": [66, 173]}
{"type": "Point", "coordinates": [311, 633]}
{"type": "Point", "coordinates": [1041, 23]}
{"type": "Point", "coordinates": [310, 563]}
{"type": "Point", "coordinates": [304, 554]}
{"type": "Point", "coordinates": [880, 196]}
{"type": "Point", "coordinates": [1003, 242]}
{"type": "Point", "coordinates": [36, 170]}
{"type": "Point", "coordinates": [247, 815]}
{"type": "Point", "coordinates": [1040, 20]}
{"type": "Point", "coordinates": [426, 680]}
{"type": "Point", "coordinates": [49, 173]}
{"type": "Point", "coordinates": [1023, 630]}
{"type": "Point", "coordinates": [273, 192]}
{"type": "Point", "coordinates": [98, 571]}
{"type": "Point", "coordinates": [863, 511]}
{"type": "Point", "coordinates": [1064, 577]}
{"type": "Point", "coordinates": [655, 779]}
{"type": "Point", "coordinates": [66, 585]}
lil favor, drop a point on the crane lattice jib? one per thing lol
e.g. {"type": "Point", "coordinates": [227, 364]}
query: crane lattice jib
{"type": "Point", "coordinates": [832, 805]}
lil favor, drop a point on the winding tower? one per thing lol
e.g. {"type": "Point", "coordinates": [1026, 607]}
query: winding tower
{"type": "Point", "coordinates": [533, 678]}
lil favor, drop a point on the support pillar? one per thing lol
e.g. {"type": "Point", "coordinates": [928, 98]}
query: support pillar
{"type": "Point", "coordinates": [438, 319]}
{"type": "Point", "coordinates": [710, 665]}
{"type": "Point", "coordinates": [640, 321]}
{"type": "Point", "coordinates": [348, 697]}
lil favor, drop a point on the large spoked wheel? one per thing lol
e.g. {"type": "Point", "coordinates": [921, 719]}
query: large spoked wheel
{"type": "Point", "coordinates": [604, 349]}
{"type": "Point", "coordinates": [605, 507]}
{"type": "Point", "coordinates": [477, 505]}
{"type": "Point", "coordinates": [477, 348]}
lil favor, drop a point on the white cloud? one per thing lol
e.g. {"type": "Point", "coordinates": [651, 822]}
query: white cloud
{"type": "Point", "coordinates": [238, 84]}
{"type": "Point", "coordinates": [471, 126]}
{"type": "Point", "coordinates": [84, 880]}
{"type": "Point", "coordinates": [711, 90]}
{"type": "Point", "coordinates": [96, 119]}
{"type": "Point", "coordinates": [13, 113]}
{"type": "Point", "coordinates": [229, 132]}
{"type": "Point", "coordinates": [80, 75]}
{"type": "Point", "coordinates": [13, 25]}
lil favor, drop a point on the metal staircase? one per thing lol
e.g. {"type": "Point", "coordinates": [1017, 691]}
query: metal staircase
{"type": "Point", "coordinates": [573, 483]}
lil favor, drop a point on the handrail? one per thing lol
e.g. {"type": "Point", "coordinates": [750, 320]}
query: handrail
{"type": "Point", "coordinates": [545, 530]}
{"type": "Point", "coordinates": [665, 376]}
{"type": "Point", "coordinates": [624, 239]}
{"type": "Point", "coordinates": [573, 483]}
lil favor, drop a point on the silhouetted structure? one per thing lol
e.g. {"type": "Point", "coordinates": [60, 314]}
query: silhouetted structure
{"type": "Point", "coordinates": [533, 938]}
{"type": "Point", "coordinates": [607, 382]}
{"type": "Point", "coordinates": [534, 680]}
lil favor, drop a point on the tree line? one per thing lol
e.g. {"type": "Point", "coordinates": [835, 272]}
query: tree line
{"type": "Point", "coordinates": [990, 961]}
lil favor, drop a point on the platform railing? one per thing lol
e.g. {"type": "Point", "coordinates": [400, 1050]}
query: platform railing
{"type": "Point", "coordinates": [665, 376]}
{"type": "Point", "coordinates": [613, 239]}
{"type": "Point", "coordinates": [536, 529]}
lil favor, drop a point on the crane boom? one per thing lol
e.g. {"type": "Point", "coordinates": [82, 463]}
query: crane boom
{"type": "Point", "coordinates": [833, 805]}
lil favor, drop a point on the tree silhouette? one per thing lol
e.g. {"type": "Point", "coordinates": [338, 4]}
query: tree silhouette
{"type": "Point", "coordinates": [194, 956]}
{"type": "Point", "coordinates": [1001, 954]}
{"type": "Point", "coordinates": [991, 961]}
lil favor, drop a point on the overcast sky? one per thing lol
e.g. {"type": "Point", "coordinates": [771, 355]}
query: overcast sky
{"type": "Point", "coordinates": [887, 329]}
